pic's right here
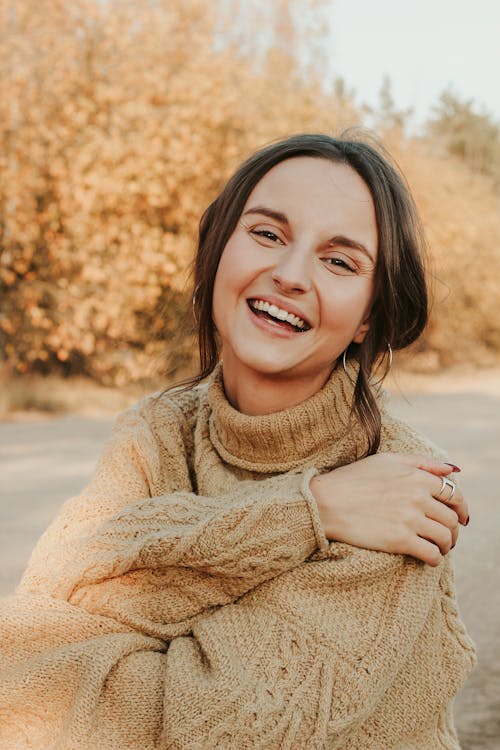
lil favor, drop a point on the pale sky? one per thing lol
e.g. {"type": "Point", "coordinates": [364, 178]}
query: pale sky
{"type": "Point", "coordinates": [424, 46]}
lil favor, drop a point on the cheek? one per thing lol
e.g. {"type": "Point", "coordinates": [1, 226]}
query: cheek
{"type": "Point", "coordinates": [346, 297]}
{"type": "Point", "coordinates": [238, 266]}
{"type": "Point", "coordinates": [218, 296]}
{"type": "Point", "coordinates": [347, 304]}
{"type": "Point", "coordinates": [228, 279]}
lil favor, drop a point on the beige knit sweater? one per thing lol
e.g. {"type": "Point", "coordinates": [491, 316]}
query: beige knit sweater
{"type": "Point", "coordinates": [189, 599]}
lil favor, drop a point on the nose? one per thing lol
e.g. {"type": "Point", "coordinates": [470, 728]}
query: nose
{"type": "Point", "coordinates": [292, 272]}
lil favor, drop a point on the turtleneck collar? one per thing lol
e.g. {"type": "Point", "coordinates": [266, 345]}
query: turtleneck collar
{"type": "Point", "coordinates": [285, 439]}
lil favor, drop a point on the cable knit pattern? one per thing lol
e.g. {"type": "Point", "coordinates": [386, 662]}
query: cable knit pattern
{"type": "Point", "coordinates": [188, 597]}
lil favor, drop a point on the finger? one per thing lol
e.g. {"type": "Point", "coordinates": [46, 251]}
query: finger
{"type": "Point", "coordinates": [457, 502]}
{"type": "Point", "coordinates": [427, 463]}
{"type": "Point", "coordinates": [436, 533]}
{"type": "Point", "coordinates": [426, 551]}
{"type": "Point", "coordinates": [441, 513]}
{"type": "Point", "coordinates": [460, 506]}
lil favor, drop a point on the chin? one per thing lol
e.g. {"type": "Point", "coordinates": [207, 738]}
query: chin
{"type": "Point", "coordinates": [279, 369]}
{"type": "Point", "coordinates": [270, 367]}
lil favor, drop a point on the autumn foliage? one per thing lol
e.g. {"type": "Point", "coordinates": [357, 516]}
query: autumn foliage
{"type": "Point", "coordinates": [119, 122]}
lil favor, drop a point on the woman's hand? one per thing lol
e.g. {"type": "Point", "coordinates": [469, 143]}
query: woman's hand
{"type": "Point", "coordinates": [387, 502]}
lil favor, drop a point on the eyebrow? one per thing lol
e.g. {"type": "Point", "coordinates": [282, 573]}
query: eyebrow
{"type": "Point", "coordinates": [338, 239]}
{"type": "Point", "coordinates": [268, 212]}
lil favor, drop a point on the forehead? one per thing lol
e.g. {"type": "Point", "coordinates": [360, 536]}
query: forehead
{"type": "Point", "coordinates": [319, 193]}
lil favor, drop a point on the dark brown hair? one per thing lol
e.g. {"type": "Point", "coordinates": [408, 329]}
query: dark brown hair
{"type": "Point", "coordinates": [400, 300]}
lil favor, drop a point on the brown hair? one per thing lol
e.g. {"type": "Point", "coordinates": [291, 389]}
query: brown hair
{"type": "Point", "coordinates": [400, 300]}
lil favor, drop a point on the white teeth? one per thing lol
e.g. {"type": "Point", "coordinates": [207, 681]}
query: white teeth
{"type": "Point", "coordinates": [277, 312]}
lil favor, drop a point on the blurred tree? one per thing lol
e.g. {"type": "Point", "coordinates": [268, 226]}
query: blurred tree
{"type": "Point", "coordinates": [295, 30]}
{"type": "Point", "coordinates": [118, 124]}
{"type": "Point", "coordinates": [386, 116]}
{"type": "Point", "coordinates": [471, 136]}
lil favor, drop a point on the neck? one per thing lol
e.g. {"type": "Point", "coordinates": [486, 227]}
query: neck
{"type": "Point", "coordinates": [255, 394]}
{"type": "Point", "coordinates": [312, 432]}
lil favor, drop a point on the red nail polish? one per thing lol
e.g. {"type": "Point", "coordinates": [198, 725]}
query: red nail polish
{"type": "Point", "coordinates": [467, 521]}
{"type": "Point", "coordinates": [455, 468]}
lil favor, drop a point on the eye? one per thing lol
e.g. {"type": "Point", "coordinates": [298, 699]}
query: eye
{"type": "Point", "coordinates": [339, 265]}
{"type": "Point", "coordinates": [267, 235]}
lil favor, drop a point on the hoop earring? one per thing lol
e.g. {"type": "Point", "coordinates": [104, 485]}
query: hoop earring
{"type": "Point", "coordinates": [193, 303]}
{"type": "Point", "coordinates": [345, 355]}
{"type": "Point", "coordinates": [344, 362]}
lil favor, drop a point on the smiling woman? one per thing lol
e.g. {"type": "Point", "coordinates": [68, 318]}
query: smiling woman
{"type": "Point", "coordinates": [371, 192]}
{"type": "Point", "coordinates": [302, 247]}
{"type": "Point", "coordinates": [260, 561]}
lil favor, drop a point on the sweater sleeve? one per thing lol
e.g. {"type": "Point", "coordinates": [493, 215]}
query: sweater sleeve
{"type": "Point", "coordinates": [155, 563]}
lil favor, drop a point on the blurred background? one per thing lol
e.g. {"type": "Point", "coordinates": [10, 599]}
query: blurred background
{"type": "Point", "coordinates": [120, 121]}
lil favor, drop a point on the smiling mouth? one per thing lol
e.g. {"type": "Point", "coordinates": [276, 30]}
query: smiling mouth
{"type": "Point", "coordinates": [278, 315]}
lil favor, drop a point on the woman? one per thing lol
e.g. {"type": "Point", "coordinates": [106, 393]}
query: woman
{"type": "Point", "coordinates": [261, 562]}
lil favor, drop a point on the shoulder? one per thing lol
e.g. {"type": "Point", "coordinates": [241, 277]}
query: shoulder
{"type": "Point", "coordinates": [170, 408]}
{"type": "Point", "coordinates": [152, 441]}
{"type": "Point", "coordinates": [397, 436]}
{"type": "Point", "coordinates": [163, 414]}
{"type": "Point", "coordinates": [164, 419]}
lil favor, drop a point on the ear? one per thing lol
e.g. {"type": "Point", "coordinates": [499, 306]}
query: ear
{"type": "Point", "coordinates": [360, 334]}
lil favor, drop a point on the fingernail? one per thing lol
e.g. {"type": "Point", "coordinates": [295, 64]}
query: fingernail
{"type": "Point", "coordinates": [455, 468]}
{"type": "Point", "coordinates": [467, 521]}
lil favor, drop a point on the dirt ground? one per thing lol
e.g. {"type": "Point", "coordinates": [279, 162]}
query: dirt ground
{"type": "Point", "coordinates": [43, 461]}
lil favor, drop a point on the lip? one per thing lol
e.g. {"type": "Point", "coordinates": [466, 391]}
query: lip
{"type": "Point", "coordinates": [271, 328]}
{"type": "Point", "coordinates": [283, 304]}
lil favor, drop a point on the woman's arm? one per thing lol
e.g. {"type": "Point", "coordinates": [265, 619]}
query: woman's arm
{"type": "Point", "coordinates": [164, 560]}
{"type": "Point", "coordinates": [159, 562]}
{"type": "Point", "coordinates": [154, 563]}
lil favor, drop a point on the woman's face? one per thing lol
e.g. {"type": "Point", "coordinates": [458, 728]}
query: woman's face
{"type": "Point", "coordinates": [295, 280]}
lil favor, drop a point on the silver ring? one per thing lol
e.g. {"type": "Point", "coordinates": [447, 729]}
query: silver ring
{"type": "Point", "coordinates": [446, 483]}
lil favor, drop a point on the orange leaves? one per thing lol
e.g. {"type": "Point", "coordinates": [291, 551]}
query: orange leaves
{"type": "Point", "coordinates": [7, 326]}
{"type": "Point", "coordinates": [7, 276]}
{"type": "Point", "coordinates": [460, 214]}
